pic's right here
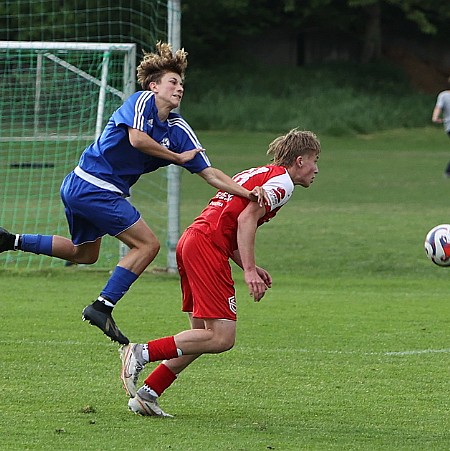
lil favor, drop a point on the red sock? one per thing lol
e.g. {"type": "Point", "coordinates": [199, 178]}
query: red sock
{"type": "Point", "coordinates": [160, 379]}
{"type": "Point", "coordinates": [162, 348]}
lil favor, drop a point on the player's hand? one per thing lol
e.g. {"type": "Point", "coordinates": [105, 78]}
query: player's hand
{"type": "Point", "coordinates": [438, 120]}
{"type": "Point", "coordinates": [184, 157]}
{"type": "Point", "coordinates": [265, 276]}
{"type": "Point", "coordinates": [257, 194]}
{"type": "Point", "coordinates": [256, 285]}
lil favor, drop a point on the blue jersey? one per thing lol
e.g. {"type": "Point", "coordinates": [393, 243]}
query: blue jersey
{"type": "Point", "coordinates": [113, 160]}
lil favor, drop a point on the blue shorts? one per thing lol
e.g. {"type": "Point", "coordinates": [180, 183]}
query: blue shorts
{"type": "Point", "coordinates": [93, 212]}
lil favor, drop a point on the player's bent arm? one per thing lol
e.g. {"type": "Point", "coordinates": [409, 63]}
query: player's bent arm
{"type": "Point", "coordinates": [436, 115]}
{"type": "Point", "coordinates": [265, 276]}
{"type": "Point", "coordinates": [246, 235]}
{"type": "Point", "coordinates": [149, 146]}
{"type": "Point", "coordinates": [237, 258]}
{"type": "Point", "coordinates": [245, 254]}
{"type": "Point", "coordinates": [215, 177]}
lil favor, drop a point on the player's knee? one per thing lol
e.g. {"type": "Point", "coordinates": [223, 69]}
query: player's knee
{"type": "Point", "coordinates": [83, 256]}
{"type": "Point", "coordinates": [87, 260]}
{"type": "Point", "coordinates": [155, 247]}
{"type": "Point", "coordinates": [225, 343]}
{"type": "Point", "coordinates": [92, 259]}
{"type": "Point", "coordinates": [151, 249]}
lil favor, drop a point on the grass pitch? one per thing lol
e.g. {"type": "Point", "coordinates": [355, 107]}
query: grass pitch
{"type": "Point", "coordinates": [349, 350]}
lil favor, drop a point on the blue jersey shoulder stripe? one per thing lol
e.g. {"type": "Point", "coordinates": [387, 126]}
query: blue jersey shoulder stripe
{"type": "Point", "coordinates": [205, 158]}
{"type": "Point", "coordinates": [139, 108]}
{"type": "Point", "coordinates": [183, 125]}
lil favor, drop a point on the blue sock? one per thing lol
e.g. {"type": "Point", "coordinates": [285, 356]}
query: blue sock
{"type": "Point", "coordinates": [118, 284]}
{"type": "Point", "coordinates": [37, 244]}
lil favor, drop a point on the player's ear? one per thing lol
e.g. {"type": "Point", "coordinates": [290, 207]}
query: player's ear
{"type": "Point", "coordinates": [299, 160]}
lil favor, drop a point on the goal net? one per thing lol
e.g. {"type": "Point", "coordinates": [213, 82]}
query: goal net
{"type": "Point", "coordinates": [58, 88]}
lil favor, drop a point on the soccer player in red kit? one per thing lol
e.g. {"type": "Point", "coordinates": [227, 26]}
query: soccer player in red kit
{"type": "Point", "coordinates": [225, 229]}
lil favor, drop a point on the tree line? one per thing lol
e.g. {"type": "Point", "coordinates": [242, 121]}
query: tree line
{"type": "Point", "coordinates": [209, 25]}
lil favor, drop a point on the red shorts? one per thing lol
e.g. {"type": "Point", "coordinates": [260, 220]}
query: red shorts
{"type": "Point", "coordinates": [206, 282]}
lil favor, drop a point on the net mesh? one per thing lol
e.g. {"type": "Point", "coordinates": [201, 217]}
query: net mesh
{"type": "Point", "coordinates": [140, 21]}
{"type": "Point", "coordinates": [49, 108]}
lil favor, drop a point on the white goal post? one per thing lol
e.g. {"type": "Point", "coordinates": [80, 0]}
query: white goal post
{"type": "Point", "coordinates": [173, 172]}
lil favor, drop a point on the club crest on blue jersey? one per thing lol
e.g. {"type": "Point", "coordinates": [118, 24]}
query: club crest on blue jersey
{"type": "Point", "coordinates": [165, 142]}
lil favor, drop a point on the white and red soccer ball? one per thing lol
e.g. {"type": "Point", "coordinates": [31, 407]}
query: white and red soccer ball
{"type": "Point", "coordinates": [437, 245]}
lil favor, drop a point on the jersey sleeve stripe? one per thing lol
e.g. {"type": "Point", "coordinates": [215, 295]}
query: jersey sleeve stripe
{"type": "Point", "coordinates": [205, 158]}
{"type": "Point", "coordinates": [139, 107]}
{"type": "Point", "coordinates": [279, 190]}
{"type": "Point", "coordinates": [183, 125]}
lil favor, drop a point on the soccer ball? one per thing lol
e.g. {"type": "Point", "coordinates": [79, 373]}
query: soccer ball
{"type": "Point", "coordinates": [437, 245]}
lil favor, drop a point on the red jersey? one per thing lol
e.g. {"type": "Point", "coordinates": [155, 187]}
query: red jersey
{"type": "Point", "coordinates": [219, 219]}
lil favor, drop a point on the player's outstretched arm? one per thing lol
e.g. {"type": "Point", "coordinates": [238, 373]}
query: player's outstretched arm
{"type": "Point", "coordinates": [148, 145]}
{"type": "Point", "coordinates": [215, 177]}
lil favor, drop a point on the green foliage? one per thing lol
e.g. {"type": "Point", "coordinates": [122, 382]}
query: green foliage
{"type": "Point", "coordinates": [348, 350]}
{"type": "Point", "coordinates": [336, 99]}
{"type": "Point", "coordinates": [428, 15]}
{"type": "Point", "coordinates": [229, 22]}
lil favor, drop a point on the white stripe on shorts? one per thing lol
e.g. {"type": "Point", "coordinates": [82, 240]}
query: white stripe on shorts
{"type": "Point", "coordinates": [96, 181]}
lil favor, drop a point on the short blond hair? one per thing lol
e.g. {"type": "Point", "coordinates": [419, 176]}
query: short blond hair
{"type": "Point", "coordinates": [286, 148]}
{"type": "Point", "coordinates": [154, 65]}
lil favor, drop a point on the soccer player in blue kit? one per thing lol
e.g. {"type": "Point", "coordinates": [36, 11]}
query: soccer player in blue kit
{"type": "Point", "coordinates": [140, 137]}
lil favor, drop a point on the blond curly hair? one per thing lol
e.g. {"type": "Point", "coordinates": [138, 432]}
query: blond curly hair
{"type": "Point", "coordinates": [154, 65]}
{"type": "Point", "coordinates": [285, 149]}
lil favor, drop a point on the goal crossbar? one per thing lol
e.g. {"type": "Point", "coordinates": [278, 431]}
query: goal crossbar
{"type": "Point", "coordinates": [82, 46]}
